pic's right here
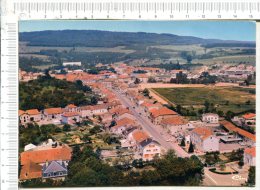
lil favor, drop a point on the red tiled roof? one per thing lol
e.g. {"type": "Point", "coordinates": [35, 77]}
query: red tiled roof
{"type": "Point", "coordinates": [70, 114]}
{"type": "Point", "coordinates": [32, 112]}
{"type": "Point", "coordinates": [250, 151]}
{"type": "Point", "coordinates": [53, 110]}
{"type": "Point", "coordinates": [249, 115]}
{"type": "Point", "coordinates": [231, 127]}
{"type": "Point", "coordinates": [71, 106]}
{"type": "Point", "coordinates": [176, 120]}
{"type": "Point", "coordinates": [125, 121]}
{"type": "Point", "coordinates": [202, 132]}
{"type": "Point", "coordinates": [21, 112]}
{"type": "Point", "coordinates": [30, 170]}
{"type": "Point", "coordinates": [140, 136]}
{"type": "Point", "coordinates": [41, 156]}
{"type": "Point", "coordinates": [162, 111]}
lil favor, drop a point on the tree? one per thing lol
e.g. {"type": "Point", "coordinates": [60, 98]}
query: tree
{"type": "Point", "coordinates": [251, 177]}
{"type": "Point", "coordinates": [206, 105]}
{"type": "Point", "coordinates": [222, 166]}
{"type": "Point", "coordinates": [151, 80]}
{"type": "Point", "coordinates": [241, 163]}
{"type": "Point", "coordinates": [66, 128]}
{"type": "Point", "coordinates": [137, 81]}
{"type": "Point", "coordinates": [183, 142]}
{"type": "Point", "coordinates": [178, 109]}
{"type": "Point", "coordinates": [146, 92]}
{"type": "Point", "coordinates": [87, 138]}
{"type": "Point", "coordinates": [94, 100]}
{"type": "Point", "coordinates": [191, 148]}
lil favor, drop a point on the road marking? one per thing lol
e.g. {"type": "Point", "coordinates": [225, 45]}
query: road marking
{"type": "Point", "coordinates": [211, 178]}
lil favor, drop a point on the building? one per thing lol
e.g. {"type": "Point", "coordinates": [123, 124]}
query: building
{"type": "Point", "coordinates": [250, 156]}
{"type": "Point", "coordinates": [123, 125]}
{"type": "Point", "coordinates": [204, 140]}
{"type": "Point", "coordinates": [71, 63]}
{"type": "Point", "coordinates": [90, 111]}
{"type": "Point", "coordinates": [32, 115]}
{"type": "Point", "coordinates": [175, 124]}
{"type": "Point", "coordinates": [70, 117]}
{"type": "Point", "coordinates": [72, 108]}
{"type": "Point", "coordinates": [53, 113]}
{"type": "Point", "coordinates": [150, 149]}
{"type": "Point", "coordinates": [32, 161]}
{"type": "Point", "coordinates": [157, 115]}
{"type": "Point", "coordinates": [55, 170]}
{"type": "Point", "coordinates": [211, 118]}
{"type": "Point", "coordinates": [248, 138]}
{"type": "Point", "coordinates": [249, 119]}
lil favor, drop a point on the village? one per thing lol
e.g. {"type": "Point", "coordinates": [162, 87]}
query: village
{"type": "Point", "coordinates": [141, 123]}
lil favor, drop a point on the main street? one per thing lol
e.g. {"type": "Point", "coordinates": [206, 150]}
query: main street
{"type": "Point", "coordinates": [149, 127]}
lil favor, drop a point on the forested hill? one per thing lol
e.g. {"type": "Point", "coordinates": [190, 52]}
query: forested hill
{"type": "Point", "coordinates": [96, 38]}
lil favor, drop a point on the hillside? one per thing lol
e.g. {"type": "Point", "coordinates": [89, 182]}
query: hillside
{"type": "Point", "coordinates": [96, 38]}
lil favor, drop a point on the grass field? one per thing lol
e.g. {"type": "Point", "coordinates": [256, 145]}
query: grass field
{"type": "Point", "coordinates": [223, 98]}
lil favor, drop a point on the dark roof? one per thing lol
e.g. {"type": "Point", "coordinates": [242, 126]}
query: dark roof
{"type": "Point", "coordinates": [148, 141]}
{"type": "Point", "coordinates": [54, 166]}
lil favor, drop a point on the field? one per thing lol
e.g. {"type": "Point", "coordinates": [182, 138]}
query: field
{"type": "Point", "coordinates": [233, 99]}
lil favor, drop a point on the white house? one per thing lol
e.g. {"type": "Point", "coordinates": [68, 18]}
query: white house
{"type": "Point", "coordinates": [89, 111]}
{"type": "Point", "coordinates": [204, 140]}
{"type": "Point", "coordinates": [150, 149]}
{"type": "Point", "coordinates": [250, 156]}
{"type": "Point", "coordinates": [71, 63]}
{"type": "Point", "coordinates": [32, 115]}
{"type": "Point", "coordinates": [53, 113]}
{"type": "Point", "coordinates": [211, 118]}
{"type": "Point", "coordinates": [70, 117]}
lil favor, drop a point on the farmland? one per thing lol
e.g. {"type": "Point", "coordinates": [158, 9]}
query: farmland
{"type": "Point", "coordinates": [224, 99]}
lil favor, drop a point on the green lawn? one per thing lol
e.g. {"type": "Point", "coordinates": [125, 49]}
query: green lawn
{"type": "Point", "coordinates": [223, 98]}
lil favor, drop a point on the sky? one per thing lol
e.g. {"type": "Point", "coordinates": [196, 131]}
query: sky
{"type": "Point", "coordinates": [225, 30]}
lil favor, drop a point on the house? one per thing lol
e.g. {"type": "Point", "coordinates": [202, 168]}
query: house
{"type": "Point", "coordinates": [149, 106]}
{"type": "Point", "coordinates": [90, 111]}
{"type": "Point", "coordinates": [106, 118]}
{"type": "Point", "coordinates": [157, 115]}
{"type": "Point", "coordinates": [72, 108]}
{"type": "Point", "coordinates": [249, 119]}
{"type": "Point", "coordinates": [150, 149]}
{"type": "Point", "coordinates": [204, 140]}
{"type": "Point", "coordinates": [53, 113]}
{"type": "Point", "coordinates": [23, 117]}
{"type": "Point", "coordinates": [32, 115]}
{"type": "Point", "coordinates": [122, 125]}
{"type": "Point", "coordinates": [175, 124]}
{"type": "Point", "coordinates": [250, 156]}
{"type": "Point", "coordinates": [248, 138]}
{"type": "Point", "coordinates": [55, 169]}
{"type": "Point", "coordinates": [211, 118]}
{"type": "Point", "coordinates": [33, 160]}
{"type": "Point", "coordinates": [70, 117]}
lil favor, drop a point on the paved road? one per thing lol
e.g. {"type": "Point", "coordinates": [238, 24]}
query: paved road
{"type": "Point", "coordinates": [212, 179]}
{"type": "Point", "coordinates": [150, 127]}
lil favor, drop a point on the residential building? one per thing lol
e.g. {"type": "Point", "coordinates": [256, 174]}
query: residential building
{"type": "Point", "coordinates": [70, 117]}
{"type": "Point", "coordinates": [55, 170]}
{"type": "Point", "coordinates": [204, 140]}
{"type": "Point", "coordinates": [249, 119]}
{"type": "Point", "coordinates": [211, 118]}
{"type": "Point", "coordinates": [250, 156]}
{"type": "Point", "coordinates": [175, 124]}
{"type": "Point", "coordinates": [150, 149]}
{"type": "Point", "coordinates": [157, 115]}
{"type": "Point", "coordinates": [53, 113]}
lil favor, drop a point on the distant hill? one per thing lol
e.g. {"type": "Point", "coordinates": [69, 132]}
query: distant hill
{"type": "Point", "coordinates": [96, 38]}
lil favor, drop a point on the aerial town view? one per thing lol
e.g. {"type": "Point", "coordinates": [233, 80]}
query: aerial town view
{"type": "Point", "coordinates": [137, 103]}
